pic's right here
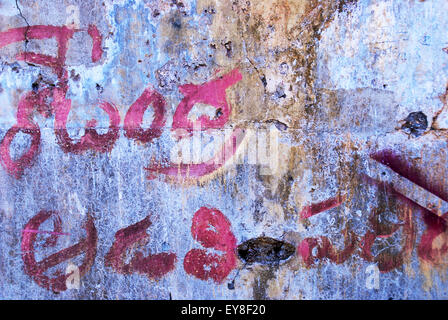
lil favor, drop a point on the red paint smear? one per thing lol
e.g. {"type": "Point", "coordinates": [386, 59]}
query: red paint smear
{"type": "Point", "coordinates": [97, 50]}
{"type": "Point", "coordinates": [17, 167]}
{"type": "Point", "coordinates": [61, 34]}
{"type": "Point", "coordinates": [325, 249]}
{"type": "Point", "coordinates": [154, 266]}
{"type": "Point", "coordinates": [48, 232]}
{"type": "Point", "coordinates": [435, 227]}
{"type": "Point", "coordinates": [305, 249]}
{"type": "Point", "coordinates": [40, 59]}
{"type": "Point", "coordinates": [33, 32]}
{"type": "Point", "coordinates": [399, 164]}
{"type": "Point", "coordinates": [219, 236]}
{"type": "Point", "coordinates": [316, 208]}
{"type": "Point", "coordinates": [204, 266]}
{"type": "Point", "coordinates": [91, 140]}
{"type": "Point", "coordinates": [34, 269]}
{"type": "Point", "coordinates": [30, 102]}
{"type": "Point", "coordinates": [33, 100]}
{"type": "Point", "coordinates": [25, 124]}
{"type": "Point", "coordinates": [212, 229]}
{"type": "Point", "coordinates": [340, 256]}
{"type": "Point", "coordinates": [39, 32]}
{"type": "Point", "coordinates": [211, 93]}
{"type": "Point", "coordinates": [366, 246]}
{"type": "Point", "coordinates": [134, 117]}
{"type": "Point", "coordinates": [406, 207]}
{"type": "Point", "coordinates": [387, 261]}
{"type": "Point", "coordinates": [198, 170]}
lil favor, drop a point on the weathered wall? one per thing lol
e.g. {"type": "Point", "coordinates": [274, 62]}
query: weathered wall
{"type": "Point", "coordinates": [317, 132]}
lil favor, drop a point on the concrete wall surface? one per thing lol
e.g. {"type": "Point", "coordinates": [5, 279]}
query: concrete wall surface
{"type": "Point", "coordinates": [218, 149]}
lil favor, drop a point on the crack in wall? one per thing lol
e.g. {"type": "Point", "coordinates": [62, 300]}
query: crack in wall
{"type": "Point", "coordinates": [261, 75]}
{"type": "Point", "coordinates": [26, 30]}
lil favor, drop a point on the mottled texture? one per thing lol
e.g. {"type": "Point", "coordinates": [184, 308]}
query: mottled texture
{"type": "Point", "coordinates": [102, 100]}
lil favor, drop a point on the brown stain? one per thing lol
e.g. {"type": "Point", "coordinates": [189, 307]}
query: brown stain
{"type": "Point", "coordinates": [261, 284]}
{"type": "Point", "coordinates": [284, 33]}
{"type": "Point", "coordinates": [280, 187]}
{"type": "Point", "coordinates": [270, 281]}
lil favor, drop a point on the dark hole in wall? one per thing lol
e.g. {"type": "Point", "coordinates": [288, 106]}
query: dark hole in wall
{"type": "Point", "coordinates": [35, 85]}
{"type": "Point", "coordinates": [280, 93]}
{"type": "Point", "coordinates": [177, 23]}
{"type": "Point", "coordinates": [228, 46]}
{"type": "Point", "coordinates": [264, 81]}
{"type": "Point", "coordinates": [210, 10]}
{"type": "Point", "coordinates": [218, 113]}
{"type": "Point", "coordinates": [278, 124]}
{"type": "Point", "coordinates": [99, 88]}
{"type": "Point", "coordinates": [415, 124]}
{"type": "Point", "coordinates": [265, 250]}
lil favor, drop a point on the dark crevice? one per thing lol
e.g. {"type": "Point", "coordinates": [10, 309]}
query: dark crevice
{"type": "Point", "coordinates": [433, 126]}
{"type": "Point", "coordinates": [278, 124]}
{"type": "Point", "coordinates": [415, 124]}
{"type": "Point", "coordinates": [265, 250]}
{"type": "Point", "coordinates": [26, 30]}
{"type": "Point", "coordinates": [228, 46]}
{"type": "Point", "coordinates": [261, 75]}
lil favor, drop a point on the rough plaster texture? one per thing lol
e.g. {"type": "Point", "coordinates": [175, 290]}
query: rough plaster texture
{"type": "Point", "coordinates": [336, 81]}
